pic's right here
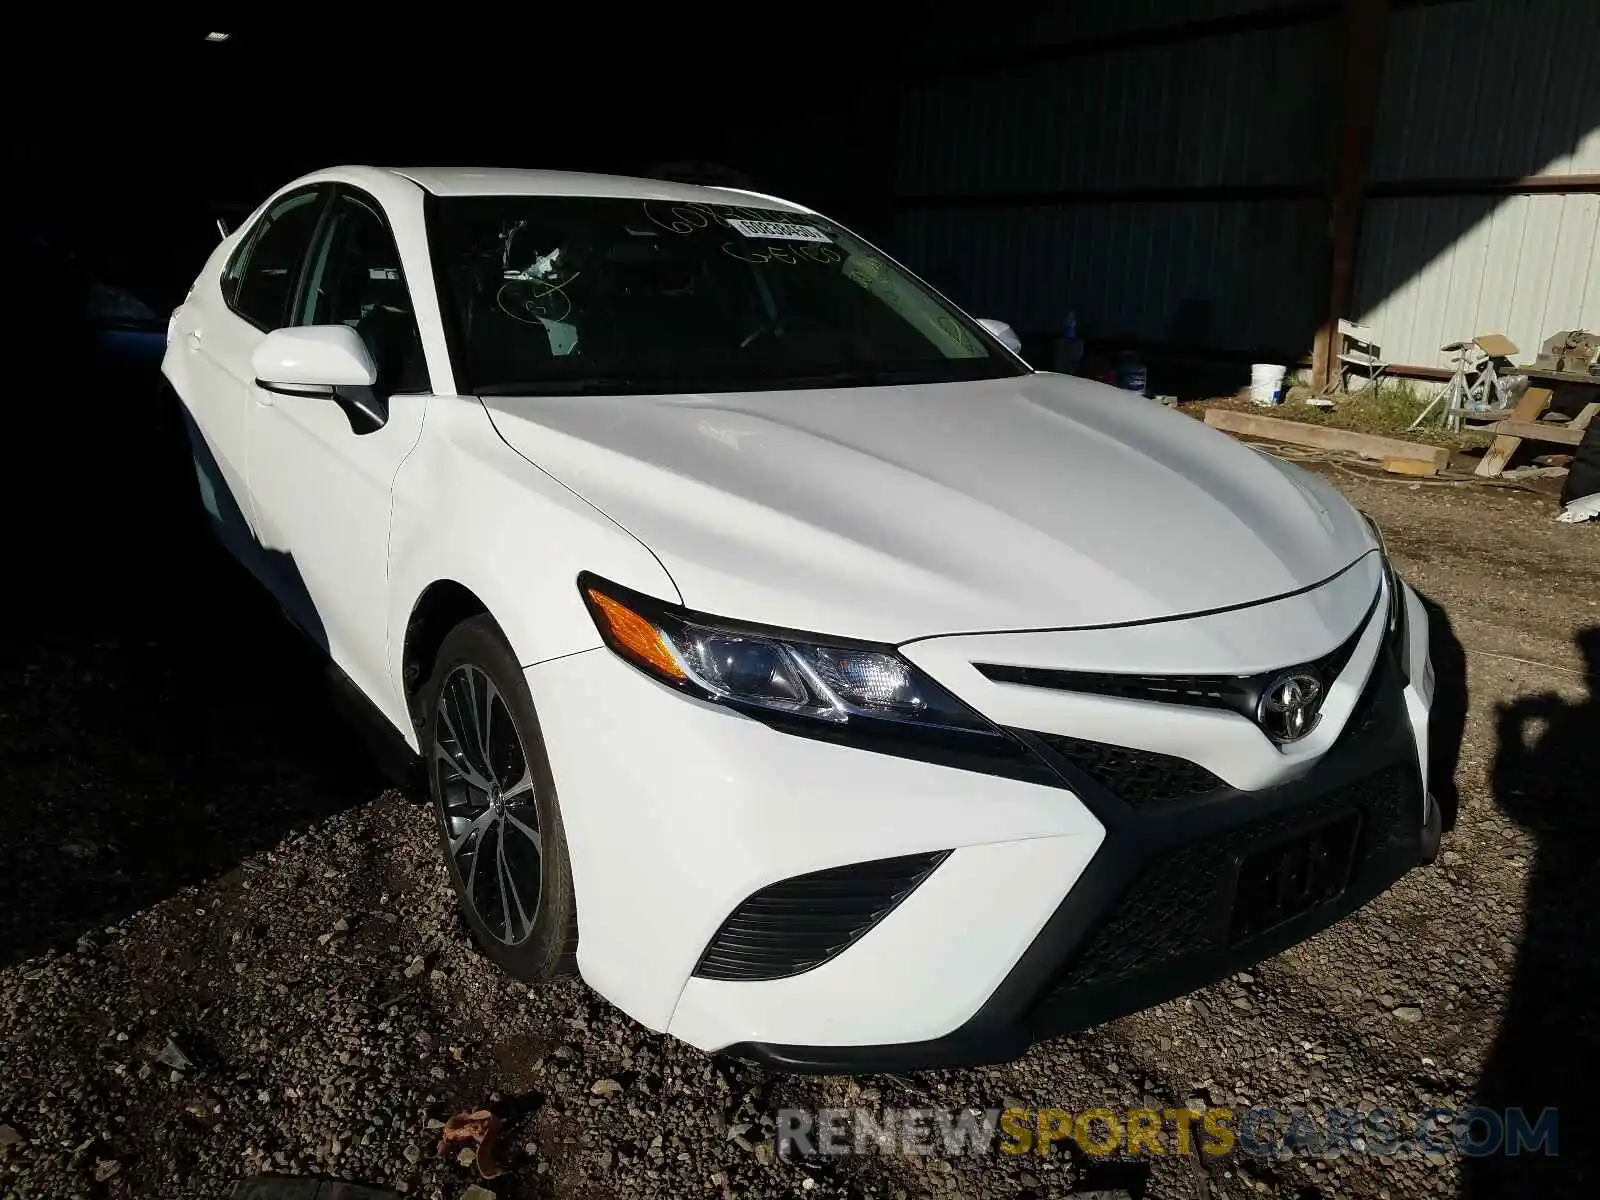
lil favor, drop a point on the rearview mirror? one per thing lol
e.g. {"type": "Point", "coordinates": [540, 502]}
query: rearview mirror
{"type": "Point", "coordinates": [1004, 332]}
{"type": "Point", "coordinates": [323, 360]}
{"type": "Point", "coordinates": [313, 358]}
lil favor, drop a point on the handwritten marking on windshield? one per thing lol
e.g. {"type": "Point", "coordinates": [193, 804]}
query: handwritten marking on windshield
{"type": "Point", "coordinates": [790, 254]}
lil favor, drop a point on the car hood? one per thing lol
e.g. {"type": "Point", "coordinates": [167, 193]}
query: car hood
{"type": "Point", "coordinates": [889, 513]}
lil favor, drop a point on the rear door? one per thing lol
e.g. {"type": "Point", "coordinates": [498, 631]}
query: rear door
{"type": "Point", "coordinates": [321, 488]}
{"type": "Point", "coordinates": [215, 332]}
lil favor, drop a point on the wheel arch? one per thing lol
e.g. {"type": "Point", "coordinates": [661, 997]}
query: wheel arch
{"type": "Point", "coordinates": [443, 605]}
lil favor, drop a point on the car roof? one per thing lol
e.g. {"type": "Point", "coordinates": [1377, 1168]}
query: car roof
{"type": "Point", "coordinates": [507, 181]}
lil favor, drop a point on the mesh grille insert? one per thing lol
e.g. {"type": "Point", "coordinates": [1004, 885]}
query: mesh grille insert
{"type": "Point", "coordinates": [1141, 779]}
{"type": "Point", "coordinates": [1174, 908]}
{"type": "Point", "coordinates": [800, 923]}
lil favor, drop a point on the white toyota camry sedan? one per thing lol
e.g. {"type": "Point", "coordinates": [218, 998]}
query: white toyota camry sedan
{"type": "Point", "coordinates": [822, 683]}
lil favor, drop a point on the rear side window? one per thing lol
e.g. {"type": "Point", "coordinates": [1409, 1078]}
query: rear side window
{"type": "Point", "coordinates": [260, 278]}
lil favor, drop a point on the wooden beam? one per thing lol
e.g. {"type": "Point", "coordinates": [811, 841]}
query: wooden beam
{"type": "Point", "coordinates": [1410, 466]}
{"type": "Point", "coordinates": [1535, 431]}
{"type": "Point", "coordinates": [1585, 415]}
{"type": "Point", "coordinates": [1363, 28]}
{"type": "Point", "coordinates": [1325, 437]}
{"type": "Point", "coordinates": [1534, 401]}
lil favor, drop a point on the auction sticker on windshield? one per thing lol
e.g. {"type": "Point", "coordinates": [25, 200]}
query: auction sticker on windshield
{"type": "Point", "coordinates": [785, 231]}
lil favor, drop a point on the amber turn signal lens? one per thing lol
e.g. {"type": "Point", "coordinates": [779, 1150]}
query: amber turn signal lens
{"type": "Point", "coordinates": [632, 635]}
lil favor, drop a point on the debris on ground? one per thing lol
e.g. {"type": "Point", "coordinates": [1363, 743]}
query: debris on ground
{"type": "Point", "coordinates": [172, 1055]}
{"type": "Point", "coordinates": [480, 1129]}
{"type": "Point", "coordinates": [1522, 473]}
{"type": "Point", "coordinates": [1586, 508]}
{"type": "Point", "coordinates": [10, 1137]}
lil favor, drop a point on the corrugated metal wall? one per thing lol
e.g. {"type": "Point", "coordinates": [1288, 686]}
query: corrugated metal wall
{"type": "Point", "coordinates": [1186, 272]}
{"type": "Point", "coordinates": [1242, 109]}
{"type": "Point", "coordinates": [1250, 108]}
{"type": "Point", "coordinates": [963, 34]}
{"type": "Point", "coordinates": [1488, 89]}
{"type": "Point", "coordinates": [1031, 189]}
{"type": "Point", "coordinates": [1479, 90]}
{"type": "Point", "coordinates": [1526, 266]}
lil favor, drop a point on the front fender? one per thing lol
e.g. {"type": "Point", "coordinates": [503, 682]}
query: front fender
{"type": "Point", "coordinates": [470, 509]}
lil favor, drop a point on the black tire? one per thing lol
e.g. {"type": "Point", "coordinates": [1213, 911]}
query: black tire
{"type": "Point", "coordinates": [472, 652]}
{"type": "Point", "coordinates": [1583, 477]}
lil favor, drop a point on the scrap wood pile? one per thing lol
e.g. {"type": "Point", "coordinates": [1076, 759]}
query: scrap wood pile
{"type": "Point", "coordinates": [1580, 470]}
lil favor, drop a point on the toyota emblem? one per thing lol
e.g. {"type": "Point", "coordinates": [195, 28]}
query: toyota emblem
{"type": "Point", "coordinates": [1289, 706]}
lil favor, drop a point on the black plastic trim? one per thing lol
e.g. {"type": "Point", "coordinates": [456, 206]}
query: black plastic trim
{"type": "Point", "coordinates": [449, 319]}
{"type": "Point", "coordinates": [1235, 693]}
{"type": "Point", "coordinates": [1141, 779]}
{"type": "Point", "coordinates": [1009, 1021]}
{"type": "Point", "coordinates": [795, 925]}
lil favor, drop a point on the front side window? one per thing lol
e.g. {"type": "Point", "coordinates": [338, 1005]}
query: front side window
{"type": "Point", "coordinates": [261, 275]}
{"type": "Point", "coordinates": [554, 294]}
{"type": "Point", "coordinates": [354, 278]}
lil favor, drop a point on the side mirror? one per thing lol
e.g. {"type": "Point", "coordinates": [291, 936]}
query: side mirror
{"type": "Point", "coordinates": [322, 360]}
{"type": "Point", "coordinates": [313, 357]}
{"type": "Point", "coordinates": [1004, 332]}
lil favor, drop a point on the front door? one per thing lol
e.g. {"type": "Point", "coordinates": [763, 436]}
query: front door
{"type": "Point", "coordinates": [321, 489]}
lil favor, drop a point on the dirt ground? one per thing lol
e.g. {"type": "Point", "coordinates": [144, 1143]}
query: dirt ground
{"type": "Point", "coordinates": [193, 849]}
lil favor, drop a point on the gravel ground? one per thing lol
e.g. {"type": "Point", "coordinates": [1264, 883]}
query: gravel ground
{"type": "Point", "coordinates": [193, 851]}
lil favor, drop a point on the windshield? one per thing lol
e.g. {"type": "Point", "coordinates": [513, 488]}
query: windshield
{"type": "Point", "coordinates": [563, 294]}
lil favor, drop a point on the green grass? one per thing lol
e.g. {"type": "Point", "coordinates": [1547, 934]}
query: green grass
{"type": "Point", "coordinates": [1387, 409]}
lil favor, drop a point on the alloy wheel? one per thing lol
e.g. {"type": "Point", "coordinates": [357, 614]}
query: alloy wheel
{"type": "Point", "coordinates": [487, 801]}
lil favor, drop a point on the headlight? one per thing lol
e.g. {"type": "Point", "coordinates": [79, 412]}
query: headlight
{"type": "Point", "coordinates": [833, 682]}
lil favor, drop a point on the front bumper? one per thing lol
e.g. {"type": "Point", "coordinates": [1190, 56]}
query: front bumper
{"type": "Point", "coordinates": [1053, 907]}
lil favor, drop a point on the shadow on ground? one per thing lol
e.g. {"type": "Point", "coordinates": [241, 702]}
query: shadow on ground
{"type": "Point", "coordinates": [159, 720]}
{"type": "Point", "coordinates": [1546, 778]}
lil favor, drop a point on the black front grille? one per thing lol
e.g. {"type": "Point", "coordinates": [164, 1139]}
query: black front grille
{"type": "Point", "coordinates": [1180, 903]}
{"type": "Point", "coordinates": [1234, 693]}
{"type": "Point", "coordinates": [1141, 779]}
{"type": "Point", "coordinates": [1202, 691]}
{"type": "Point", "coordinates": [800, 923]}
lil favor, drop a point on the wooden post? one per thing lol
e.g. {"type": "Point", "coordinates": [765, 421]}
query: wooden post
{"type": "Point", "coordinates": [1363, 29]}
{"type": "Point", "coordinates": [1534, 401]}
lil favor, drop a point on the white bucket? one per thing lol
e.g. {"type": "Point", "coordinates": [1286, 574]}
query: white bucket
{"type": "Point", "coordinates": [1266, 383]}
